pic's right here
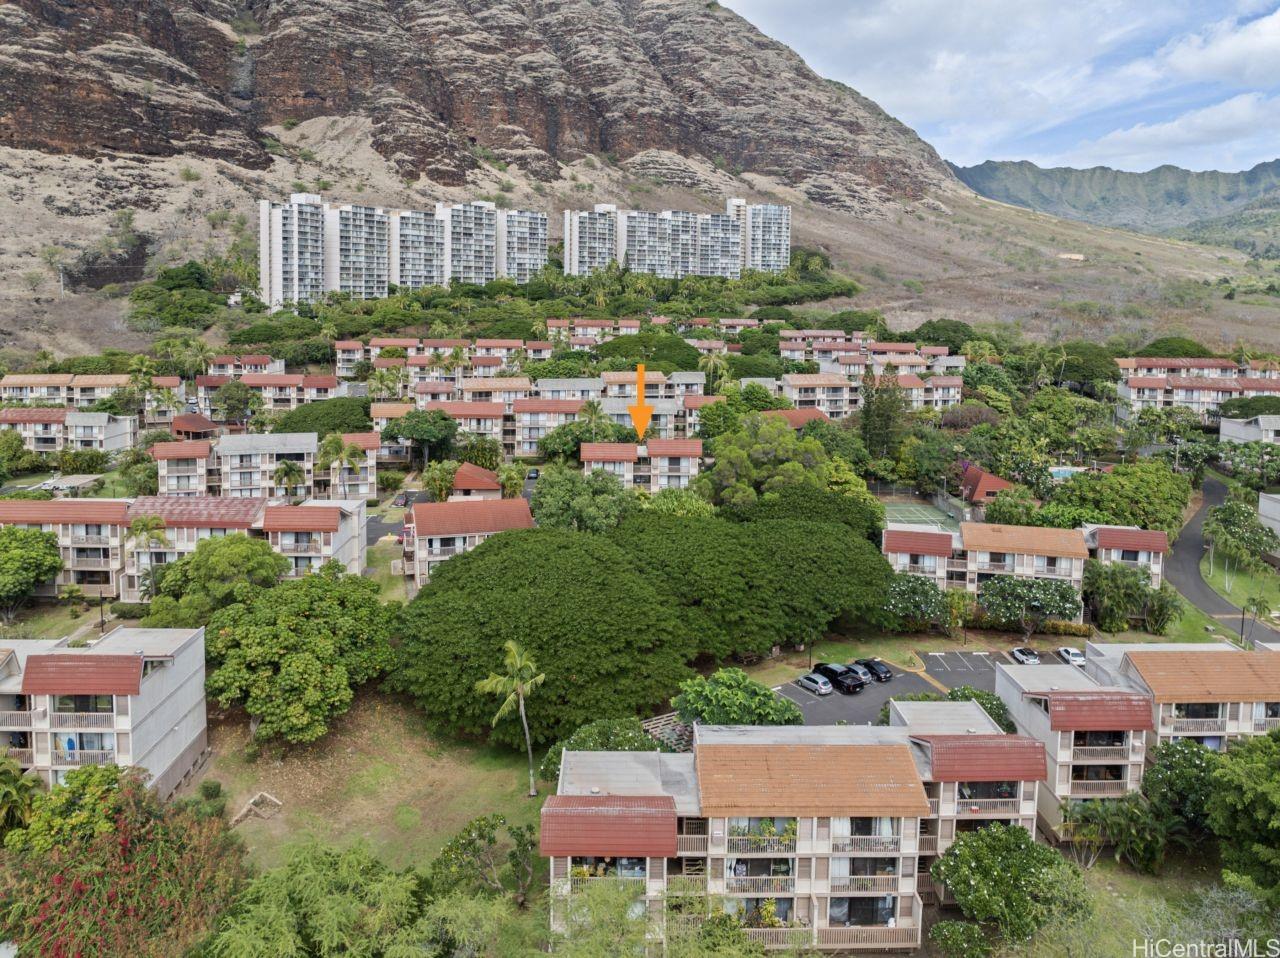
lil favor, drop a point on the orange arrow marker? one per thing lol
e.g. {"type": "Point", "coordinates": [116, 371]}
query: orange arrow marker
{"type": "Point", "coordinates": [641, 412]}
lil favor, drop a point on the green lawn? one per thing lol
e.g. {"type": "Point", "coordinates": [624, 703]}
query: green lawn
{"type": "Point", "coordinates": [379, 777]}
{"type": "Point", "coordinates": [43, 619]}
{"type": "Point", "coordinates": [380, 556]}
{"type": "Point", "coordinates": [27, 481]}
{"type": "Point", "coordinates": [1193, 626]}
{"type": "Point", "coordinates": [1124, 904]}
{"type": "Point", "coordinates": [1243, 584]}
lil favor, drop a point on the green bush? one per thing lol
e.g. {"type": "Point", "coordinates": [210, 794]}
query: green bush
{"type": "Point", "coordinates": [130, 610]}
{"type": "Point", "coordinates": [210, 788]}
{"type": "Point", "coordinates": [960, 939]}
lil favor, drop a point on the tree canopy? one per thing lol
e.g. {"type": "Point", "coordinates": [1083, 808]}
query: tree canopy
{"type": "Point", "coordinates": [28, 557]}
{"type": "Point", "coordinates": [1147, 494]}
{"type": "Point", "coordinates": [220, 571]}
{"type": "Point", "coordinates": [564, 498]}
{"type": "Point", "coordinates": [341, 414]}
{"type": "Point", "coordinates": [731, 697]}
{"type": "Point", "coordinates": [602, 735]}
{"type": "Point", "coordinates": [1244, 812]}
{"type": "Point", "coordinates": [610, 643]}
{"type": "Point", "coordinates": [763, 455]}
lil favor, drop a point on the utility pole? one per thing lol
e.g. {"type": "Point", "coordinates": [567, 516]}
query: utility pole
{"type": "Point", "coordinates": [62, 280]}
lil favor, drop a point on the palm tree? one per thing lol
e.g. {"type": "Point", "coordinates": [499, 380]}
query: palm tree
{"type": "Point", "coordinates": [515, 362]}
{"type": "Point", "coordinates": [17, 793]}
{"type": "Point", "coordinates": [141, 371]}
{"type": "Point", "coordinates": [593, 416]}
{"type": "Point", "coordinates": [329, 331]}
{"type": "Point", "coordinates": [336, 451]}
{"type": "Point", "coordinates": [288, 475]}
{"type": "Point", "coordinates": [511, 477]}
{"type": "Point", "coordinates": [382, 383]}
{"type": "Point", "coordinates": [197, 356]}
{"type": "Point", "coordinates": [146, 532]}
{"type": "Point", "coordinates": [515, 685]}
{"type": "Point", "coordinates": [715, 365]}
{"type": "Point", "coordinates": [1255, 605]}
{"type": "Point", "coordinates": [540, 327]}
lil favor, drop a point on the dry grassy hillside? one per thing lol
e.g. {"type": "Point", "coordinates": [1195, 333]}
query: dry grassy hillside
{"type": "Point", "coordinates": [961, 256]}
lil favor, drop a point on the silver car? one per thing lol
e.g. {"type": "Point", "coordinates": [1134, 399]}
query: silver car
{"type": "Point", "coordinates": [1071, 656]}
{"type": "Point", "coordinates": [815, 683]}
{"type": "Point", "coordinates": [1025, 656]}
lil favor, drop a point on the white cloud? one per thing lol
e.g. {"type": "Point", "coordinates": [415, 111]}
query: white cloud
{"type": "Point", "coordinates": [1002, 79]}
{"type": "Point", "coordinates": [1213, 133]}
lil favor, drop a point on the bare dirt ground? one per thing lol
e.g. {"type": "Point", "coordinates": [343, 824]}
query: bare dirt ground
{"type": "Point", "coordinates": [962, 257]}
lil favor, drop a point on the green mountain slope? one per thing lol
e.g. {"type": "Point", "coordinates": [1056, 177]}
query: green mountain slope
{"type": "Point", "coordinates": [1255, 229]}
{"type": "Point", "coordinates": [1157, 201]}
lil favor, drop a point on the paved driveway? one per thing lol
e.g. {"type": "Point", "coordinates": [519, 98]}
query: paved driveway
{"type": "Point", "coordinates": [1184, 569]}
{"type": "Point", "coordinates": [390, 524]}
{"type": "Point", "coordinates": [976, 669]}
{"type": "Point", "coordinates": [860, 709]}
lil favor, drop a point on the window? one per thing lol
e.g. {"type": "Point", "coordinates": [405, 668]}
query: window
{"type": "Point", "coordinates": [1129, 555]}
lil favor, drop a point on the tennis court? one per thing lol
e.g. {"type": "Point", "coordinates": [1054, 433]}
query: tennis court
{"type": "Point", "coordinates": [919, 513]}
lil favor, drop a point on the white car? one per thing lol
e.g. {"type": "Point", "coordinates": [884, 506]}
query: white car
{"type": "Point", "coordinates": [1071, 656]}
{"type": "Point", "coordinates": [815, 683]}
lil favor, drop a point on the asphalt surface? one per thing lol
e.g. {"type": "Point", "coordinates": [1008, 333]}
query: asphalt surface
{"type": "Point", "coordinates": [391, 524]}
{"type": "Point", "coordinates": [862, 708]}
{"type": "Point", "coordinates": [1183, 570]}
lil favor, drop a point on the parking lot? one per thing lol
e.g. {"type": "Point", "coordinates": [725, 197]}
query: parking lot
{"type": "Point", "coordinates": [977, 669]}
{"type": "Point", "coordinates": [860, 709]}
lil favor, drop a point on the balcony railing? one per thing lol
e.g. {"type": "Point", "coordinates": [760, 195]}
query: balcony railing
{"type": "Point", "coordinates": [686, 884]}
{"type": "Point", "coordinates": [760, 885]}
{"type": "Point", "coordinates": [866, 843]}
{"type": "Point", "coordinates": [82, 719]}
{"type": "Point", "coordinates": [1098, 788]}
{"type": "Point", "coordinates": [927, 843]}
{"type": "Point", "coordinates": [933, 808]}
{"type": "Point", "coordinates": [691, 844]}
{"type": "Point", "coordinates": [23, 756]}
{"type": "Point", "coordinates": [1265, 724]}
{"type": "Point", "coordinates": [761, 845]}
{"type": "Point", "coordinates": [994, 566]}
{"type": "Point", "coordinates": [84, 756]}
{"type": "Point", "coordinates": [856, 884]}
{"type": "Point", "coordinates": [580, 883]}
{"type": "Point", "coordinates": [780, 937]}
{"type": "Point", "coordinates": [918, 569]}
{"type": "Point", "coordinates": [440, 553]}
{"type": "Point", "coordinates": [15, 720]}
{"type": "Point", "coordinates": [869, 937]}
{"type": "Point", "coordinates": [1100, 753]}
{"type": "Point", "coordinates": [1193, 725]}
{"type": "Point", "coordinates": [986, 806]}
{"type": "Point", "coordinates": [301, 548]}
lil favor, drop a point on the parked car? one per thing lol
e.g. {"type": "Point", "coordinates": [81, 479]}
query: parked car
{"type": "Point", "coordinates": [842, 677]}
{"type": "Point", "coordinates": [815, 683]}
{"type": "Point", "coordinates": [532, 474]}
{"type": "Point", "coordinates": [861, 672]}
{"type": "Point", "coordinates": [1025, 656]}
{"type": "Point", "coordinates": [401, 499]}
{"type": "Point", "coordinates": [1071, 656]}
{"type": "Point", "coordinates": [879, 671]}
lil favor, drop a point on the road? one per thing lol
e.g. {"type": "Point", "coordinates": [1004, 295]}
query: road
{"type": "Point", "coordinates": [1184, 569]}
{"type": "Point", "coordinates": [391, 524]}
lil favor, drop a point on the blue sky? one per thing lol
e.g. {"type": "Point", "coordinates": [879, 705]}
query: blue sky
{"type": "Point", "coordinates": [1130, 85]}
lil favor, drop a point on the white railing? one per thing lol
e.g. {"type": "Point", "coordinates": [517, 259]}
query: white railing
{"type": "Point", "coordinates": [780, 937]}
{"type": "Point", "coordinates": [84, 756]}
{"type": "Point", "coordinates": [1099, 788]}
{"type": "Point", "coordinates": [580, 883]}
{"type": "Point", "coordinates": [994, 566]}
{"type": "Point", "coordinates": [760, 884]}
{"type": "Point", "coordinates": [927, 843]}
{"type": "Point", "coordinates": [1265, 724]}
{"type": "Point", "coordinates": [986, 806]}
{"type": "Point", "coordinates": [686, 884]}
{"type": "Point", "coordinates": [82, 720]}
{"type": "Point", "coordinates": [869, 937]}
{"type": "Point", "coordinates": [691, 844]}
{"type": "Point", "coordinates": [866, 843]}
{"type": "Point", "coordinates": [300, 548]}
{"type": "Point", "coordinates": [1094, 753]}
{"type": "Point", "coordinates": [90, 540]}
{"type": "Point", "coordinates": [1193, 725]}
{"type": "Point", "coordinates": [761, 845]}
{"type": "Point", "coordinates": [856, 884]}
{"type": "Point", "coordinates": [15, 720]}
{"type": "Point", "coordinates": [23, 756]}
{"type": "Point", "coordinates": [933, 808]}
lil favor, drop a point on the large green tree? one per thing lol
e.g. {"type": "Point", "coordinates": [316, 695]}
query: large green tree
{"type": "Point", "coordinates": [431, 431]}
{"type": "Point", "coordinates": [731, 697]}
{"type": "Point", "coordinates": [862, 513]}
{"type": "Point", "coordinates": [220, 571]}
{"type": "Point", "coordinates": [294, 655]}
{"type": "Point", "coordinates": [571, 599]}
{"type": "Point", "coordinates": [28, 557]}
{"type": "Point", "coordinates": [341, 414]}
{"type": "Point", "coordinates": [1147, 494]}
{"type": "Point", "coordinates": [602, 735]}
{"type": "Point", "coordinates": [564, 498]}
{"type": "Point", "coordinates": [1244, 813]}
{"type": "Point", "coordinates": [1028, 603]}
{"type": "Point", "coordinates": [763, 455]}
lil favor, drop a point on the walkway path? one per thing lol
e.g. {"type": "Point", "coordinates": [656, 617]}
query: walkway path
{"type": "Point", "coordinates": [1184, 570]}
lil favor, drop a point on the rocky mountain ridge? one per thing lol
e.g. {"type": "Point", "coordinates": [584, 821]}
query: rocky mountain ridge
{"type": "Point", "coordinates": [449, 84]}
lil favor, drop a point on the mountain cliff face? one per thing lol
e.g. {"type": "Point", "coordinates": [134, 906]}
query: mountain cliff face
{"type": "Point", "coordinates": [1158, 200]}
{"type": "Point", "coordinates": [535, 83]}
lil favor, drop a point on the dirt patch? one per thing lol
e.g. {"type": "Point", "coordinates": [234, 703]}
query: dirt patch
{"type": "Point", "coordinates": [379, 777]}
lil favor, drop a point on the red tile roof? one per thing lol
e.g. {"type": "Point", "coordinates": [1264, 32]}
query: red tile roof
{"type": "Point", "coordinates": [444, 343]}
{"type": "Point", "coordinates": [199, 512]}
{"type": "Point", "coordinates": [984, 758]}
{"type": "Point", "coordinates": [1158, 362]}
{"type": "Point", "coordinates": [191, 449]}
{"type": "Point", "coordinates": [635, 826]}
{"type": "Point", "coordinates": [501, 343]}
{"type": "Point", "coordinates": [20, 414]}
{"type": "Point", "coordinates": [978, 485]}
{"type": "Point", "coordinates": [348, 344]}
{"type": "Point", "coordinates": [796, 418]}
{"type": "Point", "coordinates": [67, 673]}
{"type": "Point", "coordinates": [608, 452]}
{"type": "Point", "coordinates": [320, 382]}
{"type": "Point", "coordinates": [1110, 537]}
{"type": "Point", "coordinates": [547, 405]}
{"type": "Point", "coordinates": [891, 347]}
{"type": "Point", "coordinates": [917, 543]}
{"type": "Point", "coordinates": [486, 361]}
{"type": "Point", "coordinates": [301, 519]}
{"type": "Point", "coordinates": [472, 477]}
{"type": "Point", "coordinates": [272, 379]}
{"type": "Point", "coordinates": [433, 386]}
{"type": "Point", "coordinates": [478, 516]}
{"type": "Point", "coordinates": [936, 381]}
{"type": "Point", "coordinates": [166, 382]}
{"type": "Point", "coordinates": [698, 401]}
{"type": "Point", "coordinates": [389, 362]}
{"type": "Point", "coordinates": [674, 447]}
{"type": "Point", "coordinates": [365, 440]}
{"type": "Point", "coordinates": [93, 511]}
{"type": "Point", "coordinates": [1101, 710]}
{"type": "Point", "coordinates": [1208, 676]}
{"type": "Point", "coordinates": [467, 410]}
{"type": "Point", "coordinates": [403, 341]}
{"type": "Point", "coordinates": [902, 380]}
{"type": "Point", "coordinates": [212, 382]}
{"type": "Point", "coordinates": [192, 422]}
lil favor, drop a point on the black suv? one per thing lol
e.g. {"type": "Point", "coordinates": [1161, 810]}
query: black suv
{"type": "Point", "coordinates": [879, 671]}
{"type": "Point", "coordinates": [843, 678]}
